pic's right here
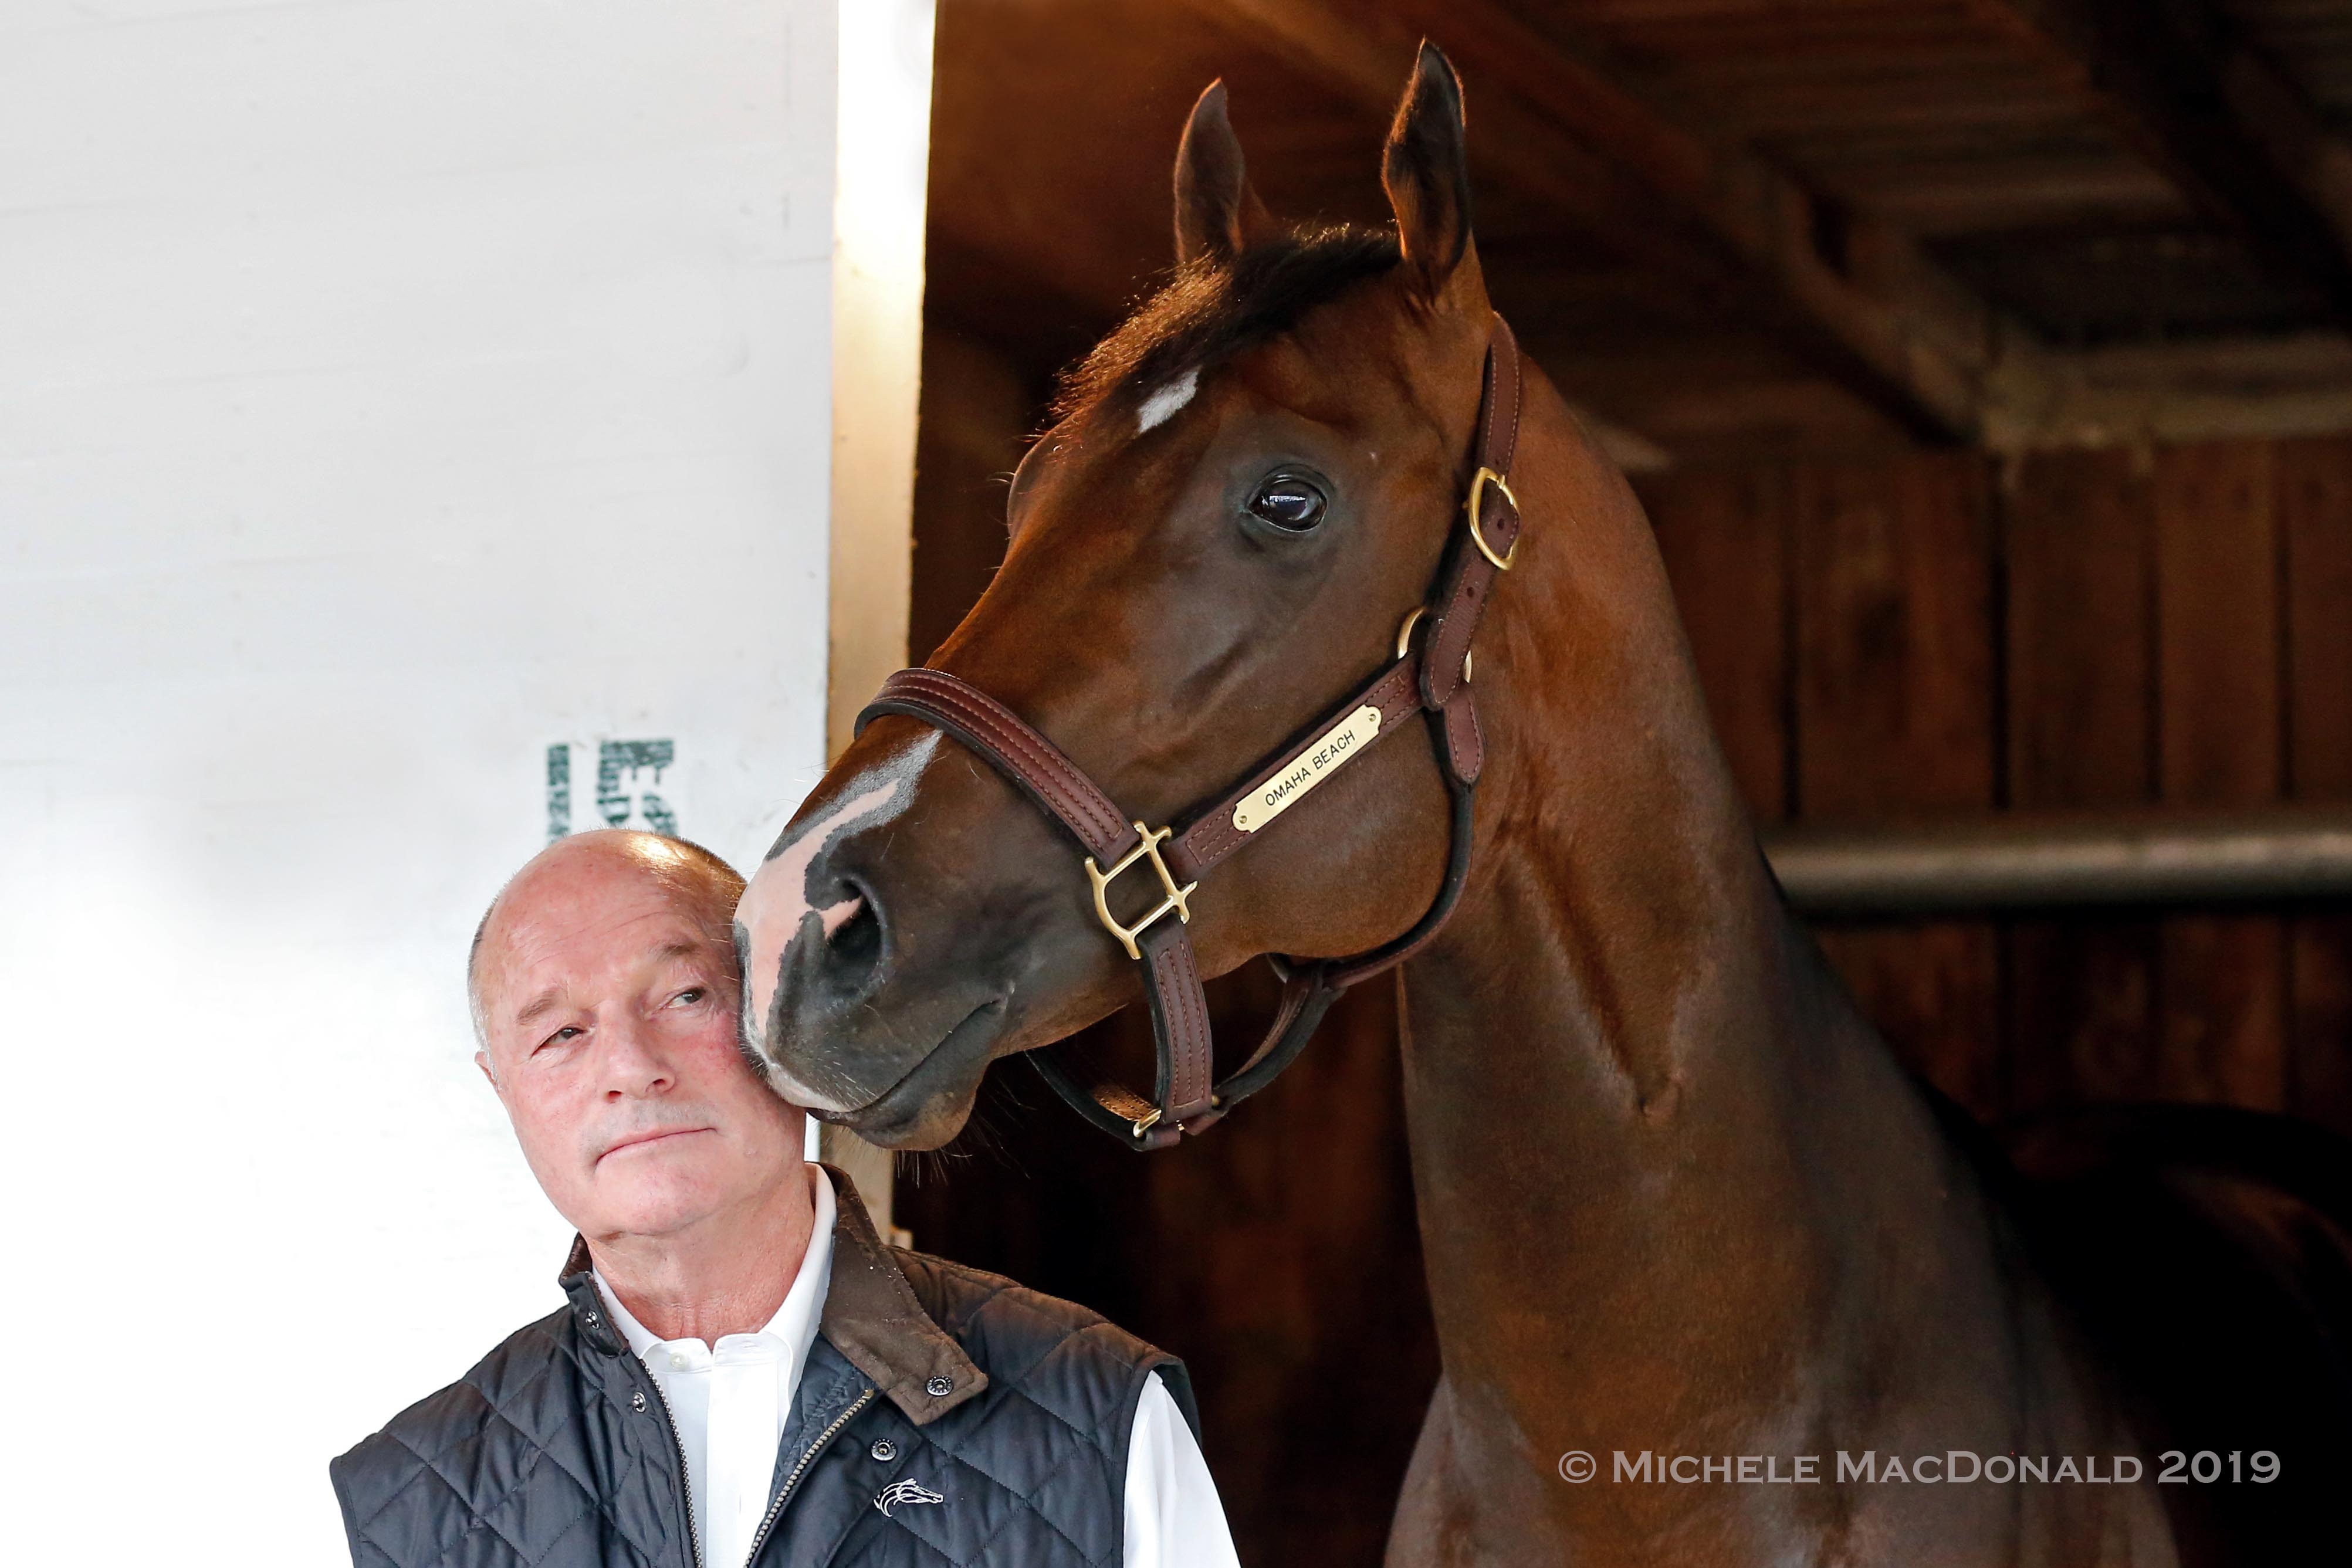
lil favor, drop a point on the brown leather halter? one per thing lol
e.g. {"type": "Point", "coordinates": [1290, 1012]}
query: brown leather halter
{"type": "Point", "coordinates": [1432, 678]}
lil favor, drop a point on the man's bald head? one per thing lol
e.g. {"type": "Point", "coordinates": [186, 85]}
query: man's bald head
{"type": "Point", "coordinates": [704, 888]}
{"type": "Point", "coordinates": [605, 988]}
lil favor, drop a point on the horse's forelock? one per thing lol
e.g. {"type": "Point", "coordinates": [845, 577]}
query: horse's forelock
{"type": "Point", "coordinates": [1209, 310]}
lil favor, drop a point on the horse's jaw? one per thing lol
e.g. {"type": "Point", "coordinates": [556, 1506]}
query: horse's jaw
{"type": "Point", "coordinates": [929, 1106]}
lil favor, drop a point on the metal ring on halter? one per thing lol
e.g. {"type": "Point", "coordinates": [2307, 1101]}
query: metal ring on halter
{"type": "Point", "coordinates": [1413, 619]}
{"type": "Point", "coordinates": [1404, 632]}
{"type": "Point", "coordinates": [1477, 493]}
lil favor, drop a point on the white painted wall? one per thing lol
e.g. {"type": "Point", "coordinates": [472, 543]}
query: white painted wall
{"type": "Point", "coordinates": [388, 390]}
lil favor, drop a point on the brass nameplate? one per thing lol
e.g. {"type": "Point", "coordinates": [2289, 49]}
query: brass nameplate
{"type": "Point", "coordinates": [1317, 763]}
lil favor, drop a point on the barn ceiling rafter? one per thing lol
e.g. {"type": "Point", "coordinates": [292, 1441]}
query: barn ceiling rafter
{"type": "Point", "coordinates": [1737, 227]}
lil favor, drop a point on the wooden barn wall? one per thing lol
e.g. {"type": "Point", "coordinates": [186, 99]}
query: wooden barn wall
{"type": "Point", "coordinates": [1919, 637]}
{"type": "Point", "coordinates": [1944, 634]}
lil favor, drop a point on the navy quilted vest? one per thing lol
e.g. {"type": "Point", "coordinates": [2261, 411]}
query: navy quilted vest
{"type": "Point", "coordinates": [945, 1415]}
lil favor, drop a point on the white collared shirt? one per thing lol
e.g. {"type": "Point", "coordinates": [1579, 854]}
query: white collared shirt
{"type": "Point", "coordinates": [729, 1403]}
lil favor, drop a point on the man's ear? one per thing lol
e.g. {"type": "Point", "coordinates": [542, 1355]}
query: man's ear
{"type": "Point", "coordinates": [482, 1060]}
{"type": "Point", "coordinates": [1425, 168]}
{"type": "Point", "coordinates": [1217, 213]}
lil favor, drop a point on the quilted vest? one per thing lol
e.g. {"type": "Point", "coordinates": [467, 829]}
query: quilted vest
{"type": "Point", "coordinates": [945, 1415]}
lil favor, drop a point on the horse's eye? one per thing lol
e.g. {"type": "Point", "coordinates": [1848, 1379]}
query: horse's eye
{"type": "Point", "coordinates": [1289, 503]}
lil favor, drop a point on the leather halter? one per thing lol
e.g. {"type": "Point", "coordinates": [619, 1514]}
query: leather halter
{"type": "Point", "coordinates": [1432, 678]}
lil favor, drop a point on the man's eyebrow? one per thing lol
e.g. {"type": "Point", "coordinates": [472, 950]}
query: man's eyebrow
{"type": "Point", "coordinates": [543, 1002]}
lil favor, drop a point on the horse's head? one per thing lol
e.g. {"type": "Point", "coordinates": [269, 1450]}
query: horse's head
{"type": "Point", "coordinates": [1249, 486]}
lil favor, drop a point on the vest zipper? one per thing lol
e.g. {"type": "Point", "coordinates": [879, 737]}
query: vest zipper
{"type": "Point", "coordinates": [784, 1492]}
{"type": "Point", "coordinates": [678, 1446]}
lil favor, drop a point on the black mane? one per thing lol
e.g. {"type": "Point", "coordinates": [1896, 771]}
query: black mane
{"type": "Point", "coordinates": [1209, 310]}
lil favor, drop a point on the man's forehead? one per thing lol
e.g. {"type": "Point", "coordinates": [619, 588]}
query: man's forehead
{"type": "Point", "coordinates": [582, 935]}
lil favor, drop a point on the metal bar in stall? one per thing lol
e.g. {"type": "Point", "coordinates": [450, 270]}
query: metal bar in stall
{"type": "Point", "coordinates": [2137, 859]}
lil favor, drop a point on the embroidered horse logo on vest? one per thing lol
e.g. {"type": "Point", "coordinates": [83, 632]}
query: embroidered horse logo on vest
{"type": "Point", "coordinates": [897, 1493]}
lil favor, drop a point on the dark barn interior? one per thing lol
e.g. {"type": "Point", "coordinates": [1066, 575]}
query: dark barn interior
{"type": "Point", "coordinates": [1983, 366]}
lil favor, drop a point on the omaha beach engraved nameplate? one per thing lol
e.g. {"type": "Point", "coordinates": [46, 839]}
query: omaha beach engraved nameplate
{"type": "Point", "coordinates": [1317, 763]}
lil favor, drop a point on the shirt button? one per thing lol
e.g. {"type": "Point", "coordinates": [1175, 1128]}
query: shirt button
{"type": "Point", "coordinates": [940, 1387]}
{"type": "Point", "coordinates": [677, 1362]}
{"type": "Point", "coordinates": [884, 1449]}
{"type": "Point", "coordinates": [637, 1403]}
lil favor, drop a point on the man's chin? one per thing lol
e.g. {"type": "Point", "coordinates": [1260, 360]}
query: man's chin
{"type": "Point", "coordinates": [646, 1198]}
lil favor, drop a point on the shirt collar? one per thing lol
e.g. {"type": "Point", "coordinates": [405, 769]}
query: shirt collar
{"type": "Point", "coordinates": [795, 1322]}
{"type": "Point", "coordinates": [871, 1315]}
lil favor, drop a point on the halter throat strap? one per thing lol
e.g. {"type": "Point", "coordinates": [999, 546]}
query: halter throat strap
{"type": "Point", "coordinates": [1431, 677]}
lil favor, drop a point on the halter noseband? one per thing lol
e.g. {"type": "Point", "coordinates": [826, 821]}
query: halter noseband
{"type": "Point", "coordinates": [1432, 679]}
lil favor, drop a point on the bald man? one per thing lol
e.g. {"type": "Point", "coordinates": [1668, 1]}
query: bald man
{"type": "Point", "coordinates": [743, 1373]}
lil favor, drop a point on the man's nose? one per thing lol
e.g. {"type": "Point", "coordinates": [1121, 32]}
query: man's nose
{"type": "Point", "coordinates": [633, 1063]}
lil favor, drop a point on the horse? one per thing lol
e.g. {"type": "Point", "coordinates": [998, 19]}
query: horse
{"type": "Point", "coordinates": [1702, 1257]}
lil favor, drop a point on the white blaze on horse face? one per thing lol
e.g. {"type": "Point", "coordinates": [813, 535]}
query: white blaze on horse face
{"type": "Point", "coordinates": [1161, 406]}
{"type": "Point", "coordinates": [777, 901]}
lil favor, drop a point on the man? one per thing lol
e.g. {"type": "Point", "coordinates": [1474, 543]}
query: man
{"type": "Point", "coordinates": [743, 1373]}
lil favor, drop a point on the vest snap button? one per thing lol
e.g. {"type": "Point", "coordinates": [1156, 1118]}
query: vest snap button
{"type": "Point", "coordinates": [637, 1403]}
{"type": "Point", "coordinates": [593, 1320]}
{"type": "Point", "coordinates": [940, 1387]}
{"type": "Point", "coordinates": [884, 1449]}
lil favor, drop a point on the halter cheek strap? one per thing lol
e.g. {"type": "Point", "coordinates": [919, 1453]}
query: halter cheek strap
{"type": "Point", "coordinates": [1431, 678]}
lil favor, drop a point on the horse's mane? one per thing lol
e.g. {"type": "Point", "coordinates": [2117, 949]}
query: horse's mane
{"type": "Point", "coordinates": [1209, 309]}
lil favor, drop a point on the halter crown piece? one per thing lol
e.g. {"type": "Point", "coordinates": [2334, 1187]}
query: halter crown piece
{"type": "Point", "coordinates": [1431, 678]}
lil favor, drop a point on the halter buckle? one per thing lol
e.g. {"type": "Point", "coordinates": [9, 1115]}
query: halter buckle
{"type": "Point", "coordinates": [1486, 476]}
{"type": "Point", "coordinates": [1147, 850]}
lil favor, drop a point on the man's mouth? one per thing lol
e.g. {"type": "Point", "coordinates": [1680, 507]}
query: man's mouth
{"type": "Point", "coordinates": [641, 1140]}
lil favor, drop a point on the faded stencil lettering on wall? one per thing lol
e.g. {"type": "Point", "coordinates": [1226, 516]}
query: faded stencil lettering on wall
{"type": "Point", "coordinates": [629, 788]}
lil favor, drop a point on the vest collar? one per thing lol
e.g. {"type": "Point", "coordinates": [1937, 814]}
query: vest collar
{"type": "Point", "coordinates": [871, 1316]}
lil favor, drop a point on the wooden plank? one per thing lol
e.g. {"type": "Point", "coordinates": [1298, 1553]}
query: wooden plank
{"type": "Point", "coordinates": [2315, 497]}
{"type": "Point", "coordinates": [1894, 717]}
{"type": "Point", "coordinates": [1894, 642]}
{"type": "Point", "coordinates": [2320, 958]}
{"type": "Point", "coordinates": [2079, 558]}
{"type": "Point", "coordinates": [2315, 485]}
{"type": "Point", "coordinates": [2220, 729]}
{"type": "Point", "coordinates": [2078, 547]}
{"type": "Point", "coordinates": [1725, 538]}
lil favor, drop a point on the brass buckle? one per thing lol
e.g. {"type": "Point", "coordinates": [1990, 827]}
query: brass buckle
{"type": "Point", "coordinates": [1147, 850]}
{"type": "Point", "coordinates": [1477, 493]}
{"type": "Point", "coordinates": [1150, 1118]}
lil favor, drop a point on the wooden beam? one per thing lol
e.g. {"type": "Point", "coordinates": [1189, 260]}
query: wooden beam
{"type": "Point", "coordinates": [2184, 89]}
{"type": "Point", "coordinates": [2166, 393]}
{"type": "Point", "coordinates": [1579, 132]}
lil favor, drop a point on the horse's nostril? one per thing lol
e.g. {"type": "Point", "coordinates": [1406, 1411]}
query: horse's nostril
{"type": "Point", "coordinates": [837, 916]}
{"type": "Point", "coordinates": [853, 941]}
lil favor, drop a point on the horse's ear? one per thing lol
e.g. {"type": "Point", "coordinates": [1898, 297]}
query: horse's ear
{"type": "Point", "coordinates": [1425, 168]}
{"type": "Point", "coordinates": [1217, 213]}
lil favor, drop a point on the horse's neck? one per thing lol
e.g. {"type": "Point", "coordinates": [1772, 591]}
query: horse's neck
{"type": "Point", "coordinates": [1647, 1132]}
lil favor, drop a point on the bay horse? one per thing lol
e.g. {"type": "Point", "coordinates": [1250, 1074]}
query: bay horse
{"type": "Point", "coordinates": [1677, 1200]}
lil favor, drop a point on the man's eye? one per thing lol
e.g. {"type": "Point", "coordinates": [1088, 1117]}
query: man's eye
{"type": "Point", "coordinates": [691, 996]}
{"type": "Point", "coordinates": [567, 1033]}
